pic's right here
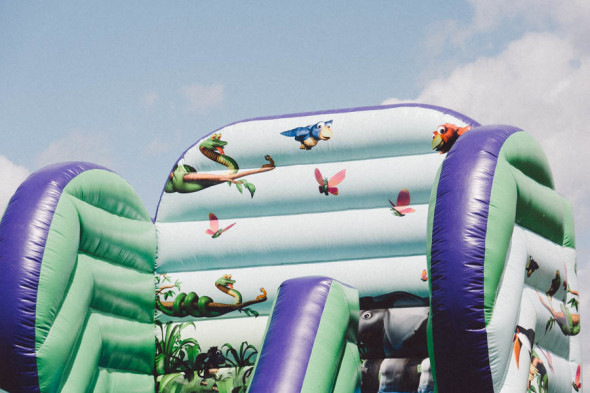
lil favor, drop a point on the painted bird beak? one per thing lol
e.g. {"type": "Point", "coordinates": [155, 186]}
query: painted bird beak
{"type": "Point", "coordinates": [437, 141]}
{"type": "Point", "coordinates": [325, 133]}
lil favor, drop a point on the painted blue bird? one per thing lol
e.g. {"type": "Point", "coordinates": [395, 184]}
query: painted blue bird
{"type": "Point", "coordinates": [309, 136]}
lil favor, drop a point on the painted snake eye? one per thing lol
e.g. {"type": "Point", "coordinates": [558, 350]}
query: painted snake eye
{"type": "Point", "coordinates": [366, 315]}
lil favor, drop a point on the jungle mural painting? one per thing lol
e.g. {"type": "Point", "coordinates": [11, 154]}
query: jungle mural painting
{"type": "Point", "coordinates": [567, 318]}
{"type": "Point", "coordinates": [185, 179]}
{"type": "Point", "coordinates": [182, 367]}
{"type": "Point", "coordinates": [183, 304]}
{"type": "Point", "coordinates": [309, 136]}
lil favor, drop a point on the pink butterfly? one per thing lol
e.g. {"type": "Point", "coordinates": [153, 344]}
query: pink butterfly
{"type": "Point", "coordinates": [214, 230]}
{"type": "Point", "coordinates": [577, 384]}
{"type": "Point", "coordinates": [328, 186]}
{"type": "Point", "coordinates": [403, 199]}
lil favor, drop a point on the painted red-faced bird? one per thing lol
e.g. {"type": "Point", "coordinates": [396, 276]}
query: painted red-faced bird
{"type": "Point", "coordinates": [214, 231]}
{"type": "Point", "coordinates": [446, 135]}
{"type": "Point", "coordinates": [328, 186]}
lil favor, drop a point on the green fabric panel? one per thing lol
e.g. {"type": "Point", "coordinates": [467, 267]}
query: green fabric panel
{"type": "Point", "coordinates": [501, 216]}
{"type": "Point", "coordinates": [61, 252]}
{"type": "Point", "coordinates": [431, 206]}
{"type": "Point", "coordinates": [54, 354]}
{"type": "Point", "coordinates": [120, 240]}
{"type": "Point", "coordinates": [100, 254]}
{"type": "Point", "coordinates": [110, 381]}
{"type": "Point", "coordinates": [84, 364]}
{"type": "Point", "coordinates": [569, 230]}
{"type": "Point", "coordinates": [539, 208]}
{"type": "Point", "coordinates": [109, 191]}
{"type": "Point", "coordinates": [124, 344]}
{"type": "Point", "coordinates": [523, 152]}
{"type": "Point", "coordinates": [349, 374]}
{"type": "Point", "coordinates": [330, 340]}
{"type": "Point", "coordinates": [119, 290]}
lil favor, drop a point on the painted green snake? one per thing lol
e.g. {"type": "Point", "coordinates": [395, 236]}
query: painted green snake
{"type": "Point", "coordinates": [184, 178]}
{"type": "Point", "coordinates": [190, 304]}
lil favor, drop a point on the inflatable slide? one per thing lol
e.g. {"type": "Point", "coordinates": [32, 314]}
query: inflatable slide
{"type": "Point", "coordinates": [401, 248]}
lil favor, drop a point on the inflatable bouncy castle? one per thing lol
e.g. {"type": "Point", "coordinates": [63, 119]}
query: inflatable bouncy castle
{"type": "Point", "coordinates": [401, 248]}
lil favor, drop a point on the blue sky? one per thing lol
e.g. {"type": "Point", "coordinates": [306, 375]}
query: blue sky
{"type": "Point", "coordinates": [130, 85]}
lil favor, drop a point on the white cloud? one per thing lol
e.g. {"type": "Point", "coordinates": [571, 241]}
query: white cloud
{"type": "Point", "coordinates": [201, 97]}
{"type": "Point", "coordinates": [78, 146]}
{"type": "Point", "coordinates": [11, 176]}
{"type": "Point", "coordinates": [488, 15]}
{"type": "Point", "coordinates": [568, 17]}
{"type": "Point", "coordinates": [569, 20]}
{"type": "Point", "coordinates": [541, 84]}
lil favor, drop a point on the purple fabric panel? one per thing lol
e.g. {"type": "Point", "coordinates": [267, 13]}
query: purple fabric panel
{"type": "Point", "coordinates": [23, 233]}
{"type": "Point", "coordinates": [457, 260]}
{"type": "Point", "coordinates": [445, 111]}
{"type": "Point", "coordinates": [287, 347]}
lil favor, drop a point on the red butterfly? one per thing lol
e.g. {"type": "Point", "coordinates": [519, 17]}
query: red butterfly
{"type": "Point", "coordinates": [403, 199]}
{"type": "Point", "coordinates": [327, 186]}
{"type": "Point", "coordinates": [214, 230]}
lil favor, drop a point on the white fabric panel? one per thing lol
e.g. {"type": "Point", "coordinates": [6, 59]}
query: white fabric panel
{"type": "Point", "coordinates": [504, 318]}
{"type": "Point", "coordinates": [371, 233]}
{"type": "Point", "coordinates": [514, 377]}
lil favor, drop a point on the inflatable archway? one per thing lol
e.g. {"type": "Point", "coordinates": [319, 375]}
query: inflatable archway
{"type": "Point", "coordinates": [402, 248]}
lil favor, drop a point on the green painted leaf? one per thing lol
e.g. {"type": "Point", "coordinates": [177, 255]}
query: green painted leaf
{"type": "Point", "coordinates": [167, 380]}
{"type": "Point", "coordinates": [251, 187]}
{"type": "Point", "coordinates": [160, 364]}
